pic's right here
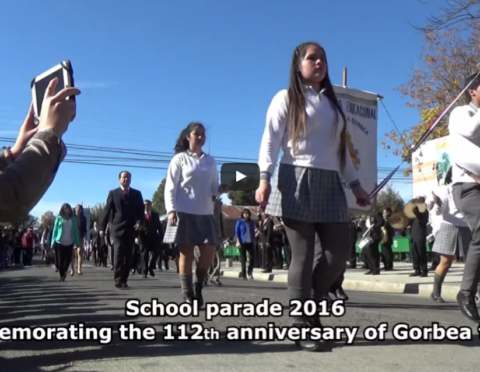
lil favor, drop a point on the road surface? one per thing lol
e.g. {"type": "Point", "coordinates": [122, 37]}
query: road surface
{"type": "Point", "coordinates": [34, 297]}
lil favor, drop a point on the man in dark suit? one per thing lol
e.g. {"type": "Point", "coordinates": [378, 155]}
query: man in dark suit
{"type": "Point", "coordinates": [125, 209]}
{"type": "Point", "coordinates": [150, 239]}
{"type": "Point", "coordinates": [372, 252]}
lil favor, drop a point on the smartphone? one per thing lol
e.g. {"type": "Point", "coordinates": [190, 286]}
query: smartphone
{"type": "Point", "coordinates": [63, 72]}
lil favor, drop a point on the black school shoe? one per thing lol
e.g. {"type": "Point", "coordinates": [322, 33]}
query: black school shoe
{"type": "Point", "coordinates": [309, 345]}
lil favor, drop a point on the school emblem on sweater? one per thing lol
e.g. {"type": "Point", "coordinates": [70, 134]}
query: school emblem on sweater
{"type": "Point", "coordinates": [353, 151]}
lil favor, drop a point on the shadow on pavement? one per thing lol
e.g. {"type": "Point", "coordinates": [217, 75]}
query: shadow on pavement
{"type": "Point", "coordinates": [33, 301]}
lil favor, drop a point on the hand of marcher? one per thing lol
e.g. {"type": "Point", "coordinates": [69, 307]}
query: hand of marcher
{"type": "Point", "coordinates": [58, 111]}
{"type": "Point", "coordinates": [172, 218]}
{"type": "Point", "coordinates": [361, 196]}
{"type": "Point", "coordinates": [263, 193]}
{"type": "Point", "coordinates": [437, 200]}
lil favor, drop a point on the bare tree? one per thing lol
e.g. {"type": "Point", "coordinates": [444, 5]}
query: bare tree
{"type": "Point", "coordinates": [458, 13]}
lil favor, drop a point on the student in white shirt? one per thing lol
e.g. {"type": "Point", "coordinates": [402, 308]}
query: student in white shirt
{"type": "Point", "coordinates": [464, 127]}
{"type": "Point", "coordinates": [307, 123]}
{"type": "Point", "coordinates": [191, 183]}
{"type": "Point", "coordinates": [451, 233]}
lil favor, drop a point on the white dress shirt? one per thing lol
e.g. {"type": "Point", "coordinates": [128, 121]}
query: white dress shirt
{"type": "Point", "coordinates": [447, 212]}
{"type": "Point", "coordinates": [464, 128]}
{"type": "Point", "coordinates": [318, 149]}
{"type": "Point", "coordinates": [67, 233]}
{"type": "Point", "coordinates": [191, 183]}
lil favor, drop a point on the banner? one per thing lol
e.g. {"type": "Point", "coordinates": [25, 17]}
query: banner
{"type": "Point", "coordinates": [361, 110]}
{"type": "Point", "coordinates": [430, 164]}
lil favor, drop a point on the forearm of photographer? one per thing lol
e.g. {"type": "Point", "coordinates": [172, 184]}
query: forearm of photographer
{"type": "Point", "coordinates": [28, 169]}
{"type": "Point", "coordinates": [28, 177]}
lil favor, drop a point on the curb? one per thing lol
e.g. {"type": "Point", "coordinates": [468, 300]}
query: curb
{"type": "Point", "coordinates": [420, 289]}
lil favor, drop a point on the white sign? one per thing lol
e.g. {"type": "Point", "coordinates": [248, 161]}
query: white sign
{"type": "Point", "coordinates": [361, 111]}
{"type": "Point", "coordinates": [430, 164]}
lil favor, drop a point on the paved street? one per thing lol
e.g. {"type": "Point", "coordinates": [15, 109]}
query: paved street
{"type": "Point", "coordinates": [35, 297]}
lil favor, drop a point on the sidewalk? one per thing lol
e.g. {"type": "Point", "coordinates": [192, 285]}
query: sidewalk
{"type": "Point", "coordinates": [397, 281]}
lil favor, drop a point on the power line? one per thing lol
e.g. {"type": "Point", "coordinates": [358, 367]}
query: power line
{"type": "Point", "coordinates": [153, 157]}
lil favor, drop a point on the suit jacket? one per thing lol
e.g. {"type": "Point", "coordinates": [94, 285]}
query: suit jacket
{"type": "Point", "coordinates": [419, 225]}
{"type": "Point", "coordinates": [152, 232]}
{"type": "Point", "coordinates": [378, 223]}
{"type": "Point", "coordinates": [123, 213]}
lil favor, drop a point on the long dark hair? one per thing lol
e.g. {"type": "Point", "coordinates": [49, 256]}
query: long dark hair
{"type": "Point", "coordinates": [62, 210]}
{"type": "Point", "coordinates": [182, 143]}
{"type": "Point", "coordinates": [297, 117]}
{"type": "Point", "coordinates": [81, 209]}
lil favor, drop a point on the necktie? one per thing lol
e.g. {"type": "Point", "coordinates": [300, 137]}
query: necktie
{"type": "Point", "coordinates": [125, 194]}
{"type": "Point", "coordinates": [148, 217]}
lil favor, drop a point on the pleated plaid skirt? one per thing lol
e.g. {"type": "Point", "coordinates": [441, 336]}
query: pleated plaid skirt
{"type": "Point", "coordinates": [308, 195]}
{"type": "Point", "coordinates": [191, 229]}
{"type": "Point", "coordinates": [450, 239]}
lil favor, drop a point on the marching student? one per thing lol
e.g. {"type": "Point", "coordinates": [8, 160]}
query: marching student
{"type": "Point", "coordinates": [82, 231]}
{"type": "Point", "coordinates": [191, 183]}
{"type": "Point", "coordinates": [307, 123]}
{"type": "Point", "coordinates": [65, 236]}
{"type": "Point", "coordinates": [464, 123]}
{"type": "Point", "coordinates": [452, 233]}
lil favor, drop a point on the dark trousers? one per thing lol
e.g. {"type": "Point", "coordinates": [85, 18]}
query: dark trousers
{"type": "Point", "coordinates": [123, 254]}
{"type": "Point", "coordinates": [102, 255]}
{"type": "Point", "coordinates": [269, 260]}
{"type": "Point", "coordinates": [387, 255]}
{"type": "Point", "coordinates": [27, 256]}
{"type": "Point", "coordinates": [136, 261]}
{"type": "Point", "coordinates": [467, 198]}
{"type": "Point", "coordinates": [163, 256]}
{"type": "Point", "coordinates": [328, 258]}
{"type": "Point", "coordinates": [17, 254]}
{"type": "Point", "coordinates": [64, 253]}
{"type": "Point", "coordinates": [288, 254]}
{"type": "Point", "coordinates": [337, 284]}
{"type": "Point", "coordinates": [247, 247]}
{"type": "Point", "coordinates": [372, 254]}
{"type": "Point", "coordinates": [419, 254]}
{"type": "Point", "coordinates": [353, 254]}
{"type": "Point", "coordinates": [148, 256]}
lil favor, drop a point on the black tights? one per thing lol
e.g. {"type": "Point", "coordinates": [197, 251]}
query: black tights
{"type": "Point", "coordinates": [335, 249]}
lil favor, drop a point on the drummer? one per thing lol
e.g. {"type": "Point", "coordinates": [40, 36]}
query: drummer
{"type": "Point", "coordinates": [419, 236]}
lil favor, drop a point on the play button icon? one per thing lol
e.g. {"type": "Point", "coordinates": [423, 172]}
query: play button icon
{"type": "Point", "coordinates": [240, 176]}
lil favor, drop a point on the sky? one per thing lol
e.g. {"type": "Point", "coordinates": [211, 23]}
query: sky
{"type": "Point", "coordinates": [148, 68]}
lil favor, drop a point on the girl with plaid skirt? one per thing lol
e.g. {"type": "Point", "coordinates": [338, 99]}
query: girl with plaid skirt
{"type": "Point", "coordinates": [192, 182]}
{"type": "Point", "coordinates": [307, 124]}
{"type": "Point", "coordinates": [452, 233]}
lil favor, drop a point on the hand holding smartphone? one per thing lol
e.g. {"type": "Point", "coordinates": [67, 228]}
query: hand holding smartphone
{"type": "Point", "coordinates": [63, 72]}
{"type": "Point", "coordinates": [53, 96]}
